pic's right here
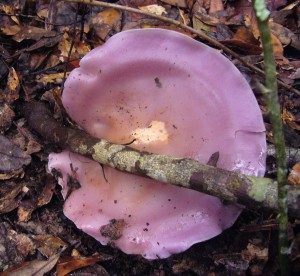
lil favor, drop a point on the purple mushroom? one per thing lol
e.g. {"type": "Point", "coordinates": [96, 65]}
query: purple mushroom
{"type": "Point", "coordinates": [168, 94]}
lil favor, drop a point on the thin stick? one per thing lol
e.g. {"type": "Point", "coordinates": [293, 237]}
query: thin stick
{"type": "Point", "coordinates": [250, 191]}
{"type": "Point", "coordinates": [199, 33]}
{"type": "Point", "coordinates": [271, 95]}
{"type": "Point", "coordinates": [71, 46]}
{"type": "Point", "coordinates": [44, 70]}
{"type": "Point", "coordinates": [52, 13]}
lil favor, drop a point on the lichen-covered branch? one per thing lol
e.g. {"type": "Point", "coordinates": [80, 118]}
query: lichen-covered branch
{"type": "Point", "coordinates": [199, 33]}
{"type": "Point", "coordinates": [271, 95]}
{"type": "Point", "coordinates": [253, 192]}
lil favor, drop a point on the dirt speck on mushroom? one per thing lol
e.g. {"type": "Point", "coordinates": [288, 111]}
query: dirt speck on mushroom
{"type": "Point", "coordinates": [114, 229]}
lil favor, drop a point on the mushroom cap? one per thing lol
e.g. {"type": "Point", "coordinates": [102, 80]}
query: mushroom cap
{"type": "Point", "coordinates": [169, 94]}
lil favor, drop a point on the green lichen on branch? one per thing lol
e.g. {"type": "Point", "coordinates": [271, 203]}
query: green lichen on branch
{"type": "Point", "coordinates": [261, 191]}
{"type": "Point", "coordinates": [230, 186]}
{"type": "Point", "coordinates": [270, 92]}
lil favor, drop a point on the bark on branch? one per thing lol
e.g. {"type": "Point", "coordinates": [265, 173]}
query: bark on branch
{"type": "Point", "coordinates": [253, 192]}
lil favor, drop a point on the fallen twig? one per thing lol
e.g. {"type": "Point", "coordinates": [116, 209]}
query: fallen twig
{"type": "Point", "coordinates": [270, 91]}
{"type": "Point", "coordinates": [199, 33]}
{"type": "Point", "coordinates": [250, 191]}
{"type": "Point", "coordinates": [71, 46]}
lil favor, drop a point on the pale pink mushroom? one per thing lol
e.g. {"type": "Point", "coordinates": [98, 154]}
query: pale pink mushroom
{"type": "Point", "coordinates": [174, 96]}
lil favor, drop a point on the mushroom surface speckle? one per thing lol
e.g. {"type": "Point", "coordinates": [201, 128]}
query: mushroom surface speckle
{"type": "Point", "coordinates": [169, 94]}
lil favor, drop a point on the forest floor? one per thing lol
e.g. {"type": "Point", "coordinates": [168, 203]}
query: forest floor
{"type": "Point", "coordinates": [40, 43]}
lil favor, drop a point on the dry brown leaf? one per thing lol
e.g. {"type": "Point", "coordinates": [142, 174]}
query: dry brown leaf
{"type": "Point", "coordinates": [289, 119]}
{"type": "Point", "coordinates": [9, 199]}
{"type": "Point", "coordinates": [5, 53]}
{"type": "Point", "coordinates": [28, 142]}
{"type": "Point", "coordinates": [45, 42]}
{"type": "Point", "coordinates": [75, 253]}
{"type": "Point", "coordinates": [282, 33]}
{"type": "Point", "coordinates": [278, 50]}
{"type": "Point", "coordinates": [13, 174]}
{"type": "Point", "coordinates": [244, 41]}
{"type": "Point", "coordinates": [6, 8]}
{"type": "Point", "coordinates": [6, 117]}
{"type": "Point", "coordinates": [11, 92]}
{"type": "Point", "coordinates": [53, 60]}
{"type": "Point", "coordinates": [79, 49]}
{"type": "Point", "coordinates": [155, 9]}
{"type": "Point", "coordinates": [244, 34]}
{"type": "Point", "coordinates": [13, 80]}
{"type": "Point", "coordinates": [47, 192]}
{"type": "Point", "coordinates": [216, 6]}
{"type": "Point", "coordinates": [53, 96]}
{"type": "Point", "coordinates": [291, 5]}
{"type": "Point", "coordinates": [294, 176]}
{"type": "Point", "coordinates": [185, 266]}
{"type": "Point", "coordinates": [36, 268]}
{"type": "Point", "coordinates": [280, 16]}
{"type": "Point", "coordinates": [27, 207]}
{"type": "Point", "coordinates": [3, 70]}
{"type": "Point", "coordinates": [245, 6]}
{"type": "Point", "coordinates": [68, 265]}
{"type": "Point", "coordinates": [43, 13]}
{"type": "Point", "coordinates": [24, 213]}
{"type": "Point", "coordinates": [207, 19]}
{"type": "Point", "coordinates": [23, 243]}
{"type": "Point", "coordinates": [232, 261]}
{"type": "Point", "coordinates": [205, 3]}
{"type": "Point", "coordinates": [10, 29]}
{"type": "Point", "coordinates": [36, 60]}
{"type": "Point", "coordinates": [48, 245]}
{"type": "Point", "coordinates": [11, 156]}
{"type": "Point", "coordinates": [51, 78]}
{"type": "Point", "coordinates": [108, 17]}
{"type": "Point", "coordinates": [255, 252]}
{"type": "Point", "coordinates": [295, 75]}
{"type": "Point", "coordinates": [31, 32]}
{"type": "Point", "coordinates": [33, 146]}
{"type": "Point", "coordinates": [295, 41]}
{"type": "Point", "coordinates": [106, 21]}
{"type": "Point", "coordinates": [250, 22]}
{"type": "Point", "coordinates": [184, 17]}
{"type": "Point", "coordinates": [177, 3]}
{"type": "Point", "coordinates": [9, 9]}
{"type": "Point", "coordinates": [201, 26]}
{"type": "Point", "coordinates": [222, 33]}
{"type": "Point", "coordinates": [275, 4]}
